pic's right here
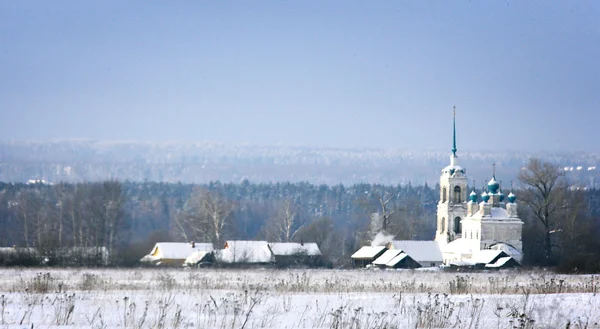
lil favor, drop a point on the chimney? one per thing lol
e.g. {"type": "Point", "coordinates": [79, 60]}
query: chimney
{"type": "Point", "coordinates": [193, 244]}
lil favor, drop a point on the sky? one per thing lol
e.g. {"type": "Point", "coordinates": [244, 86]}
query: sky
{"type": "Point", "coordinates": [523, 75]}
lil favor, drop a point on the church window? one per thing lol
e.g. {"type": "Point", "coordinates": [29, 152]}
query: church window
{"type": "Point", "coordinates": [444, 194]}
{"type": "Point", "coordinates": [457, 228]}
{"type": "Point", "coordinates": [443, 225]}
{"type": "Point", "coordinates": [476, 234]}
{"type": "Point", "coordinates": [471, 234]}
{"type": "Point", "coordinates": [457, 196]}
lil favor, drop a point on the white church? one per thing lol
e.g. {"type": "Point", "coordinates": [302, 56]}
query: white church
{"type": "Point", "coordinates": [470, 229]}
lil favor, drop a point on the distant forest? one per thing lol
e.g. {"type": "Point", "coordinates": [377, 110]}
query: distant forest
{"type": "Point", "coordinates": [128, 218]}
{"type": "Point", "coordinates": [91, 161]}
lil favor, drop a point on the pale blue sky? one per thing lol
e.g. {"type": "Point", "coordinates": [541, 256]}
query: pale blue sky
{"type": "Point", "coordinates": [524, 75]}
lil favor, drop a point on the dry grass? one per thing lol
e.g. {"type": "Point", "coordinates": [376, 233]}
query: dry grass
{"type": "Point", "coordinates": [216, 298]}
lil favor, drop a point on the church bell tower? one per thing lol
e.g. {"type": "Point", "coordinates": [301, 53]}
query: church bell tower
{"type": "Point", "coordinates": [452, 207]}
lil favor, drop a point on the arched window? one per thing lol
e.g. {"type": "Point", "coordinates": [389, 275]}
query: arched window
{"type": "Point", "coordinates": [457, 193]}
{"type": "Point", "coordinates": [471, 234]}
{"type": "Point", "coordinates": [457, 228]}
{"type": "Point", "coordinates": [443, 225]}
{"type": "Point", "coordinates": [476, 234]}
{"type": "Point", "coordinates": [444, 194]}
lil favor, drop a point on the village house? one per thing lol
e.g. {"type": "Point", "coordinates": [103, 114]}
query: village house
{"type": "Point", "coordinates": [20, 256]}
{"type": "Point", "coordinates": [290, 254]}
{"type": "Point", "coordinates": [240, 252]}
{"type": "Point", "coordinates": [366, 255]}
{"type": "Point", "coordinates": [175, 253]}
{"type": "Point", "coordinates": [395, 258]}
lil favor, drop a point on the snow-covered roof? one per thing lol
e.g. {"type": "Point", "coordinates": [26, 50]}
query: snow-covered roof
{"type": "Point", "coordinates": [367, 252]}
{"type": "Point", "coordinates": [239, 251]}
{"type": "Point", "coordinates": [496, 213]}
{"type": "Point", "coordinates": [500, 262]}
{"type": "Point", "coordinates": [386, 257]}
{"type": "Point", "coordinates": [450, 167]}
{"type": "Point", "coordinates": [292, 248]}
{"type": "Point", "coordinates": [487, 256]}
{"type": "Point", "coordinates": [178, 250]}
{"type": "Point", "coordinates": [499, 213]}
{"type": "Point", "coordinates": [458, 246]}
{"type": "Point", "coordinates": [397, 259]}
{"type": "Point", "coordinates": [509, 250]}
{"type": "Point", "coordinates": [196, 257]}
{"type": "Point", "coordinates": [422, 251]}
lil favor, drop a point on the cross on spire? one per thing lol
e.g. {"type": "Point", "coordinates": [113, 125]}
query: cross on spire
{"type": "Point", "coordinates": [454, 132]}
{"type": "Point", "coordinates": [494, 170]}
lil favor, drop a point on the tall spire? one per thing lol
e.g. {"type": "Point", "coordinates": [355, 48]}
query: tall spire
{"type": "Point", "coordinates": [454, 133]}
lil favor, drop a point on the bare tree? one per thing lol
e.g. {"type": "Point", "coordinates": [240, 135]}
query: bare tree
{"type": "Point", "coordinates": [545, 194]}
{"type": "Point", "coordinates": [205, 216]}
{"type": "Point", "coordinates": [286, 222]}
{"type": "Point", "coordinates": [386, 210]}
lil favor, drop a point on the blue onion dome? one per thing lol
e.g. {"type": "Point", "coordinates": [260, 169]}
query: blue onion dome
{"type": "Point", "coordinates": [473, 196]}
{"type": "Point", "coordinates": [493, 185]}
{"type": "Point", "coordinates": [501, 196]}
{"type": "Point", "coordinates": [485, 197]}
{"type": "Point", "coordinates": [512, 198]}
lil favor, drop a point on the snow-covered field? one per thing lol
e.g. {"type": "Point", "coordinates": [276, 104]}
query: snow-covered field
{"type": "Point", "coordinates": [267, 298]}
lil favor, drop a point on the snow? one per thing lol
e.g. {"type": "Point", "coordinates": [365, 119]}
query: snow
{"type": "Point", "coordinates": [367, 252]}
{"type": "Point", "coordinates": [424, 252]}
{"type": "Point", "coordinates": [203, 298]}
{"type": "Point", "coordinates": [291, 248]}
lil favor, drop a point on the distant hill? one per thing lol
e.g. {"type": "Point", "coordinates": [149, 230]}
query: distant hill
{"type": "Point", "coordinates": [90, 160]}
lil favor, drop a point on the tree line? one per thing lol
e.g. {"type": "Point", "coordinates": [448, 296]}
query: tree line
{"type": "Point", "coordinates": [126, 218]}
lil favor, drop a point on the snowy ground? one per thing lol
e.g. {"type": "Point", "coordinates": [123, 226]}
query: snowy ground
{"type": "Point", "coordinates": [210, 298]}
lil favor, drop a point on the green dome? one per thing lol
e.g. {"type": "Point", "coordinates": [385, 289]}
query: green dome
{"type": "Point", "coordinates": [473, 196]}
{"type": "Point", "coordinates": [512, 198]}
{"type": "Point", "coordinates": [493, 185]}
{"type": "Point", "coordinates": [485, 197]}
{"type": "Point", "coordinates": [501, 196]}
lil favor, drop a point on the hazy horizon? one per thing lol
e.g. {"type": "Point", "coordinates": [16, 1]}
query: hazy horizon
{"type": "Point", "coordinates": [524, 76]}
